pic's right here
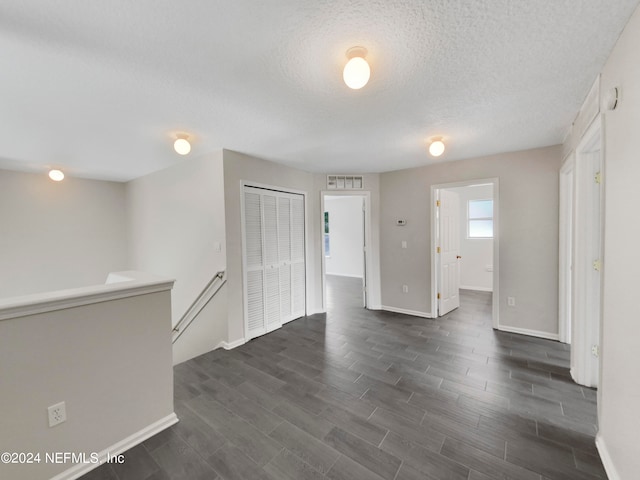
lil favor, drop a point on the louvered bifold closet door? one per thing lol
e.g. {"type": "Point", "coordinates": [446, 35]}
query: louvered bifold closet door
{"type": "Point", "coordinates": [274, 257]}
{"type": "Point", "coordinates": [297, 256]}
{"type": "Point", "coordinates": [272, 264]}
{"type": "Point", "coordinates": [254, 265]}
{"type": "Point", "coordinates": [284, 252]}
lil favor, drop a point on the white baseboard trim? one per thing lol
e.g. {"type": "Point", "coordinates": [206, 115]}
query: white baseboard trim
{"type": "Point", "coordinates": [406, 312]}
{"type": "Point", "coordinates": [531, 333]}
{"type": "Point", "coordinates": [117, 448]}
{"type": "Point", "coordinates": [344, 275]}
{"type": "Point", "coordinates": [607, 462]}
{"type": "Point", "coordinates": [477, 289]}
{"type": "Point", "coordinates": [232, 345]}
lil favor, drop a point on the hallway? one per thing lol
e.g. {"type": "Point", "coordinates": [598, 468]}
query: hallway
{"type": "Point", "coordinates": [358, 394]}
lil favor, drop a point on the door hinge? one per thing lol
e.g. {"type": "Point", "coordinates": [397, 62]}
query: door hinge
{"type": "Point", "coordinates": [438, 249]}
{"type": "Point", "coordinates": [437, 203]}
{"type": "Point", "coordinates": [598, 178]}
{"type": "Point", "coordinates": [438, 296]}
{"type": "Point", "coordinates": [597, 265]}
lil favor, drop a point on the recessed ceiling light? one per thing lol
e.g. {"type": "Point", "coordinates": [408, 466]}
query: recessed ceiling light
{"type": "Point", "coordinates": [436, 148]}
{"type": "Point", "coordinates": [357, 71]}
{"type": "Point", "coordinates": [182, 145]}
{"type": "Point", "coordinates": [56, 175]}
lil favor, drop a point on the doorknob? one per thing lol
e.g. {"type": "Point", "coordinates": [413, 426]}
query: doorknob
{"type": "Point", "coordinates": [458, 256]}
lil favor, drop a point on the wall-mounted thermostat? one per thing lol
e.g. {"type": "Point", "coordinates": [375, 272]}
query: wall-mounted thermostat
{"type": "Point", "coordinates": [401, 223]}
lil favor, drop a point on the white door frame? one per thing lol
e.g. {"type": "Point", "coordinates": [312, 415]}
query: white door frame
{"type": "Point", "coordinates": [368, 267]}
{"type": "Point", "coordinates": [496, 244]}
{"type": "Point", "coordinates": [587, 248]}
{"type": "Point", "coordinates": [565, 252]}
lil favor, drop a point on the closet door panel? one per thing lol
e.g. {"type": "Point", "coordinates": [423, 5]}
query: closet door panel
{"type": "Point", "coordinates": [254, 264]}
{"type": "Point", "coordinates": [270, 215]}
{"type": "Point", "coordinates": [274, 249]}
{"type": "Point", "coordinates": [255, 303]}
{"type": "Point", "coordinates": [297, 257]}
{"type": "Point", "coordinates": [253, 230]}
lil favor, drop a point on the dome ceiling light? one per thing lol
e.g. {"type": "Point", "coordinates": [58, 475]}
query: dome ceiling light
{"type": "Point", "coordinates": [357, 71]}
{"type": "Point", "coordinates": [56, 175]}
{"type": "Point", "coordinates": [436, 148]}
{"type": "Point", "coordinates": [182, 145]}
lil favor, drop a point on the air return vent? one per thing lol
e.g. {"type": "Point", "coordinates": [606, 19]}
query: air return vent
{"type": "Point", "coordinates": [345, 182]}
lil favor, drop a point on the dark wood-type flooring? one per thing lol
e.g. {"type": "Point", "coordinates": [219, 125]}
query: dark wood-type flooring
{"type": "Point", "coordinates": [357, 394]}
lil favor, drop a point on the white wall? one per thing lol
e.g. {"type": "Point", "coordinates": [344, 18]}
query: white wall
{"type": "Point", "coordinates": [59, 235]}
{"type": "Point", "coordinates": [476, 253]}
{"type": "Point", "coordinates": [620, 384]}
{"type": "Point", "coordinates": [176, 220]}
{"type": "Point", "coordinates": [346, 236]}
{"type": "Point", "coordinates": [110, 362]}
{"type": "Point", "coordinates": [528, 234]}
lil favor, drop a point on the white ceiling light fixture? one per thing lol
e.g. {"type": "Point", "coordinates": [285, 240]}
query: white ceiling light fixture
{"type": "Point", "coordinates": [56, 175]}
{"type": "Point", "coordinates": [436, 148]}
{"type": "Point", "coordinates": [357, 71]}
{"type": "Point", "coordinates": [182, 145]}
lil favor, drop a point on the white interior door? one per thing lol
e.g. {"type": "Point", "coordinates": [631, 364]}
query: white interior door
{"type": "Point", "coordinates": [587, 261]}
{"type": "Point", "coordinates": [274, 259]}
{"type": "Point", "coordinates": [449, 230]}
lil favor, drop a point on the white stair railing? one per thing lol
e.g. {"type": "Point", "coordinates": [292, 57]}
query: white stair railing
{"type": "Point", "coordinates": [201, 301]}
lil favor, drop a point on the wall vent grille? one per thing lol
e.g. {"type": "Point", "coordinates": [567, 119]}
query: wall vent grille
{"type": "Point", "coordinates": [345, 182]}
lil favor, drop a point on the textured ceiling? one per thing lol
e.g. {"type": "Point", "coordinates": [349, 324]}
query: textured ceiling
{"type": "Point", "coordinates": [99, 88]}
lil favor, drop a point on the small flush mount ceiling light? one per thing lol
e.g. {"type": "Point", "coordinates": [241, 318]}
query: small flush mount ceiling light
{"type": "Point", "coordinates": [182, 145]}
{"type": "Point", "coordinates": [436, 148]}
{"type": "Point", "coordinates": [56, 175]}
{"type": "Point", "coordinates": [356, 72]}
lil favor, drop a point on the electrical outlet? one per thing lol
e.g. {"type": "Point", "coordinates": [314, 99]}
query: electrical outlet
{"type": "Point", "coordinates": [404, 244]}
{"type": "Point", "coordinates": [511, 301]}
{"type": "Point", "coordinates": [405, 288]}
{"type": "Point", "coordinates": [57, 414]}
{"type": "Point", "coordinates": [595, 350]}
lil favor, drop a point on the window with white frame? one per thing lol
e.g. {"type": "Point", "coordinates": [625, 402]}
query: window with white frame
{"type": "Point", "coordinates": [480, 219]}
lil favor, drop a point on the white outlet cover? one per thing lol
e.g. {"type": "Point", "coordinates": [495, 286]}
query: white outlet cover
{"type": "Point", "coordinates": [57, 414]}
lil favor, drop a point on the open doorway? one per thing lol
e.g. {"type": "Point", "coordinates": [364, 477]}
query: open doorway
{"type": "Point", "coordinates": [464, 226]}
{"type": "Point", "coordinates": [345, 234]}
